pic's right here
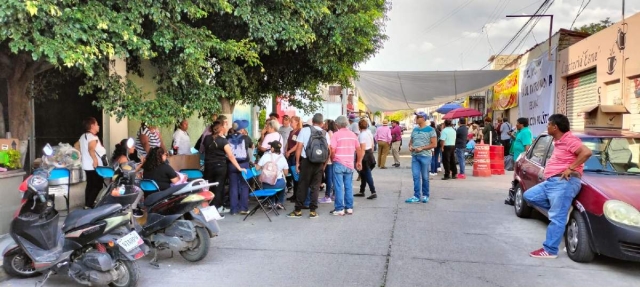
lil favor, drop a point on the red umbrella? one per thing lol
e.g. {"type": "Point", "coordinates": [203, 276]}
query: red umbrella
{"type": "Point", "coordinates": [462, 113]}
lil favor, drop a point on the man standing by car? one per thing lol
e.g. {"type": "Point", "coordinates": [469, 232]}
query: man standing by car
{"type": "Point", "coordinates": [461, 145]}
{"type": "Point", "coordinates": [522, 138]}
{"type": "Point", "coordinates": [562, 173]}
{"type": "Point", "coordinates": [396, 139]}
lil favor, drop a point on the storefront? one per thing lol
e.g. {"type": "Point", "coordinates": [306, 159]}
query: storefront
{"type": "Point", "coordinates": [602, 70]}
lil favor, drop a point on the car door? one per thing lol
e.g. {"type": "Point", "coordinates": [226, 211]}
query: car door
{"type": "Point", "coordinates": [533, 167]}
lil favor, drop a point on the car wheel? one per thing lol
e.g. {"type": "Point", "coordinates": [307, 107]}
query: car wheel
{"type": "Point", "coordinates": [576, 239]}
{"type": "Point", "coordinates": [520, 205]}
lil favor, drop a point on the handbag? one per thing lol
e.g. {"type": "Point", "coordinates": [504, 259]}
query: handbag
{"type": "Point", "coordinates": [103, 158]}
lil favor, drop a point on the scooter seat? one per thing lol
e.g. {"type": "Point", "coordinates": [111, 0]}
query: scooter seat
{"type": "Point", "coordinates": [153, 198]}
{"type": "Point", "coordinates": [79, 218]}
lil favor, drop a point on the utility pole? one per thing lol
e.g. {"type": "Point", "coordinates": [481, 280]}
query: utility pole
{"type": "Point", "coordinates": [550, 26]}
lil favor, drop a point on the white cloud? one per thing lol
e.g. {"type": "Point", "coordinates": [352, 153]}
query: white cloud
{"type": "Point", "coordinates": [426, 47]}
{"type": "Point", "coordinates": [470, 34]}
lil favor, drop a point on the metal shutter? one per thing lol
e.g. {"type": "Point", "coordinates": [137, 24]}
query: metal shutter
{"type": "Point", "coordinates": [613, 94]}
{"type": "Point", "coordinates": [582, 92]}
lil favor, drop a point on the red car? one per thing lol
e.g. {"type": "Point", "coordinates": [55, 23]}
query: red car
{"type": "Point", "coordinates": [605, 218]}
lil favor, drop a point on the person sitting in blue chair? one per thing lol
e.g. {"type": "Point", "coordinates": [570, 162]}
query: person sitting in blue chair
{"type": "Point", "coordinates": [156, 169]}
{"type": "Point", "coordinates": [275, 155]}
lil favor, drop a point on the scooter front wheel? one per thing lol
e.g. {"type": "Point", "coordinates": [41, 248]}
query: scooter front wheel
{"type": "Point", "coordinates": [201, 248]}
{"type": "Point", "coordinates": [18, 264]}
{"type": "Point", "coordinates": [130, 274]}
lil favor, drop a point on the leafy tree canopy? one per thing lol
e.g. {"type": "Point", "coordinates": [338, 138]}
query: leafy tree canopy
{"type": "Point", "coordinates": [594, 27]}
{"type": "Point", "coordinates": [205, 52]}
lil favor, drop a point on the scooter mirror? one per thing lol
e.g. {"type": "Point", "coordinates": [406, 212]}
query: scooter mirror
{"type": "Point", "coordinates": [48, 150]}
{"type": "Point", "coordinates": [130, 143]}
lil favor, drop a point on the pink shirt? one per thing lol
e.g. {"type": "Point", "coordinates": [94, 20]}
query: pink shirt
{"type": "Point", "coordinates": [344, 144]}
{"type": "Point", "coordinates": [383, 133]}
{"type": "Point", "coordinates": [564, 154]}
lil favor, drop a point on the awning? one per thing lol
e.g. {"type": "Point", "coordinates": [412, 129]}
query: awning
{"type": "Point", "coordinates": [616, 109]}
{"type": "Point", "coordinates": [392, 91]}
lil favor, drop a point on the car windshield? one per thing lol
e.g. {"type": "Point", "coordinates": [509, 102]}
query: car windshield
{"type": "Point", "coordinates": [619, 155]}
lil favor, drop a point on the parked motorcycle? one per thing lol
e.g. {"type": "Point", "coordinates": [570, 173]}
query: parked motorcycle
{"type": "Point", "coordinates": [179, 218]}
{"type": "Point", "coordinates": [94, 246]}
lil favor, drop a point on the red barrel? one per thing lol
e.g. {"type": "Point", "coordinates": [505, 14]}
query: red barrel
{"type": "Point", "coordinates": [481, 161]}
{"type": "Point", "coordinates": [497, 159]}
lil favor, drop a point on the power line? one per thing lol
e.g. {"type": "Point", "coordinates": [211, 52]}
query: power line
{"type": "Point", "coordinates": [500, 7]}
{"type": "Point", "coordinates": [545, 4]}
{"type": "Point", "coordinates": [524, 38]}
{"type": "Point", "coordinates": [445, 18]}
{"type": "Point", "coordinates": [580, 10]}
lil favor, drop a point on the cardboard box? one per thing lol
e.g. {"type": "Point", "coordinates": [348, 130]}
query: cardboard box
{"type": "Point", "coordinates": [604, 116]}
{"type": "Point", "coordinates": [179, 162]}
{"type": "Point", "coordinates": [7, 144]}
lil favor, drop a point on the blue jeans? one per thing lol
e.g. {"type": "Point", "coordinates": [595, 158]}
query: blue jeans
{"type": "Point", "coordinates": [435, 160]}
{"type": "Point", "coordinates": [280, 184]}
{"type": "Point", "coordinates": [343, 184]}
{"type": "Point", "coordinates": [238, 189]}
{"type": "Point", "coordinates": [420, 171]}
{"type": "Point", "coordinates": [366, 178]}
{"type": "Point", "coordinates": [556, 196]}
{"type": "Point", "coordinates": [328, 176]}
{"type": "Point", "coordinates": [460, 158]}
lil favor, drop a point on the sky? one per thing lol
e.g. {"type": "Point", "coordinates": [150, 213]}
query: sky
{"type": "Point", "coordinates": [442, 35]}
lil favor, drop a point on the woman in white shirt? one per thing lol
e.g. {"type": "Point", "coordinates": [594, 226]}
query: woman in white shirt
{"type": "Point", "coordinates": [91, 151]}
{"type": "Point", "coordinates": [368, 161]}
{"type": "Point", "coordinates": [181, 140]}
{"type": "Point", "coordinates": [275, 155]}
{"type": "Point", "coordinates": [271, 134]}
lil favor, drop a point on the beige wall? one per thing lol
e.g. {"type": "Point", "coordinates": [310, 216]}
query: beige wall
{"type": "Point", "coordinates": [601, 51]}
{"type": "Point", "coordinates": [114, 131]}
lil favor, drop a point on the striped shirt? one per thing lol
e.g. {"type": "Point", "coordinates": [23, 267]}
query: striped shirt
{"type": "Point", "coordinates": [154, 140]}
{"type": "Point", "coordinates": [344, 144]}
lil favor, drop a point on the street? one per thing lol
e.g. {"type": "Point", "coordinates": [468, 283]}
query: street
{"type": "Point", "coordinates": [465, 236]}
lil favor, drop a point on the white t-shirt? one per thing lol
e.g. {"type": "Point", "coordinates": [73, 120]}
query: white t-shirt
{"type": "Point", "coordinates": [281, 162]}
{"type": "Point", "coordinates": [182, 141]}
{"type": "Point", "coordinates": [305, 135]}
{"type": "Point", "coordinates": [354, 127]}
{"type": "Point", "coordinates": [87, 161]}
{"type": "Point", "coordinates": [274, 136]}
{"type": "Point", "coordinates": [365, 137]}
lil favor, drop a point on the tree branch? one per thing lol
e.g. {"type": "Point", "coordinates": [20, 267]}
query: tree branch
{"type": "Point", "coordinates": [5, 60]}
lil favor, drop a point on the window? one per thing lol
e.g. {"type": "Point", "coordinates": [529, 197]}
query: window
{"type": "Point", "coordinates": [539, 150]}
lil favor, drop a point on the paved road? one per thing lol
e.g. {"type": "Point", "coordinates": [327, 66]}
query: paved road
{"type": "Point", "coordinates": [465, 236]}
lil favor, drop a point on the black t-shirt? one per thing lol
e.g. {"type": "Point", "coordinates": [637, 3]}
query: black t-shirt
{"type": "Point", "coordinates": [162, 175]}
{"type": "Point", "coordinates": [461, 137]}
{"type": "Point", "coordinates": [214, 149]}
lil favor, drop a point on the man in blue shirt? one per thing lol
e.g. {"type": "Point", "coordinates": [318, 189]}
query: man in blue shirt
{"type": "Point", "coordinates": [448, 146]}
{"type": "Point", "coordinates": [423, 141]}
{"type": "Point", "coordinates": [523, 138]}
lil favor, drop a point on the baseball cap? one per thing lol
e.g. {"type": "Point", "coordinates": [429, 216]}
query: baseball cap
{"type": "Point", "coordinates": [421, 114]}
{"type": "Point", "coordinates": [241, 124]}
{"type": "Point", "coordinates": [352, 117]}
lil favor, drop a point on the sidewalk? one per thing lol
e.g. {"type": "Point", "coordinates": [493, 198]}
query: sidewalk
{"type": "Point", "coordinates": [465, 236]}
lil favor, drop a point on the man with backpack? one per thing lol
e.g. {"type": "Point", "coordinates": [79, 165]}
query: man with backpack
{"type": "Point", "coordinates": [311, 155]}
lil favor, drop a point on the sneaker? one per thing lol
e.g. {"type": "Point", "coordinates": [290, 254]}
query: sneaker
{"type": "Point", "coordinates": [295, 214]}
{"type": "Point", "coordinates": [244, 212]}
{"type": "Point", "coordinates": [221, 217]}
{"type": "Point", "coordinates": [279, 206]}
{"type": "Point", "coordinates": [325, 200]}
{"type": "Point", "coordinates": [439, 169]}
{"type": "Point", "coordinates": [446, 178]}
{"type": "Point", "coordinates": [425, 199]}
{"type": "Point", "coordinates": [223, 209]}
{"type": "Point", "coordinates": [359, 194]}
{"type": "Point", "coordinates": [433, 174]}
{"type": "Point", "coordinates": [412, 200]}
{"type": "Point", "coordinates": [349, 211]}
{"type": "Point", "coordinates": [373, 196]}
{"type": "Point", "coordinates": [338, 213]}
{"type": "Point", "coordinates": [462, 176]}
{"type": "Point", "coordinates": [313, 214]}
{"type": "Point", "coordinates": [541, 253]}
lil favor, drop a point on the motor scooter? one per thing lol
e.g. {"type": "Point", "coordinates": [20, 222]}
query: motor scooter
{"type": "Point", "coordinates": [95, 246]}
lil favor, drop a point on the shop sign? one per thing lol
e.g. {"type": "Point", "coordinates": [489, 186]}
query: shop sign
{"type": "Point", "coordinates": [505, 92]}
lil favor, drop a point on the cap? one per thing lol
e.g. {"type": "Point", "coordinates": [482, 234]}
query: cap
{"type": "Point", "coordinates": [421, 114]}
{"type": "Point", "coordinates": [242, 124]}
{"type": "Point", "coordinates": [385, 122]}
{"type": "Point", "coordinates": [352, 117]}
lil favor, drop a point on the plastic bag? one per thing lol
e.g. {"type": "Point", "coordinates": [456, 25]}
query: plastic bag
{"type": "Point", "coordinates": [508, 163]}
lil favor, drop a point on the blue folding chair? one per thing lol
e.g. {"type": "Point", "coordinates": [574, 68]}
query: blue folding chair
{"type": "Point", "coordinates": [60, 177]}
{"type": "Point", "coordinates": [192, 173]}
{"type": "Point", "coordinates": [263, 196]}
{"type": "Point", "coordinates": [149, 186]}
{"type": "Point", "coordinates": [105, 172]}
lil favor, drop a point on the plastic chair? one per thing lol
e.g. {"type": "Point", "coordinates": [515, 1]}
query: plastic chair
{"type": "Point", "coordinates": [263, 196]}
{"type": "Point", "coordinates": [192, 173]}
{"type": "Point", "coordinates": [149, 186]}
{"type": "Point", "coordinates": [105, 172]}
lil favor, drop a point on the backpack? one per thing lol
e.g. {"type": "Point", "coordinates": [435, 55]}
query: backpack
{"type": "Point", "coordinates": [238, 148]}
{"type": "Point", "coordinates": [317, 149]}
{"type": "Point", "coordinates": [269, 173]}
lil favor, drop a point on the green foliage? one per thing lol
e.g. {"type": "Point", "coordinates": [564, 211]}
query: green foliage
{"type": "Point", "coordinates": [11, 159]}
{"type": "Point", "coordinates": [262, 118]}
{"type": "Point", "coordinates": [378, 113]}
{"type": "Point", "coordinates": [399, 115]}
{"type": "Point", "coordinates": [203, 51]}
{"type": "Point", "coordinates": [595, 27]}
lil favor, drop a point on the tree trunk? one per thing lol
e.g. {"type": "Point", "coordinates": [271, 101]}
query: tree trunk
{"type": "Point", "coordinates": [20, 116]}
{"type": "Point", "coordinates": [227, 109]}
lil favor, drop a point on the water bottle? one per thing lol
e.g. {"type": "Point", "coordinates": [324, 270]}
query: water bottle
{"type": "Point", "coordinates": [122, 189]}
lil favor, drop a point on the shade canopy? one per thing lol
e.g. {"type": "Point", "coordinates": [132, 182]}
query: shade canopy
{"type": "Point", "coordinates": [393, 91]}
{"type": "Point", "coordinates": [462, 113]}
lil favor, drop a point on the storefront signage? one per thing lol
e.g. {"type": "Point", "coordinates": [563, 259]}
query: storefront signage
{"type": "Point", "coordinates": [505, 93]}
{"type": "Point", "coordinates": [582, 60]}
{"type": "Point", "coordinates": [537, 92]}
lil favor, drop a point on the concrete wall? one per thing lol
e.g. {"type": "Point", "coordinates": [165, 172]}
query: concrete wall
{"type": "Point", "coordinates": [618, 72]}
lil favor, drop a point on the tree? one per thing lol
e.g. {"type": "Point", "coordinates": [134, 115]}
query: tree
{"type": "Point", "coordinates": [594, 27]}
{"type": "Point", "coordinates": [399, 115]}
{"type": "Point", "coordinates": [208, 54]}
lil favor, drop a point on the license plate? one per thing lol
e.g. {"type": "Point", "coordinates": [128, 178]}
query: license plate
{"type": "Point", "coordinates": [130, 241]}
{"type": "Point", "coordinates": [210, 213]}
